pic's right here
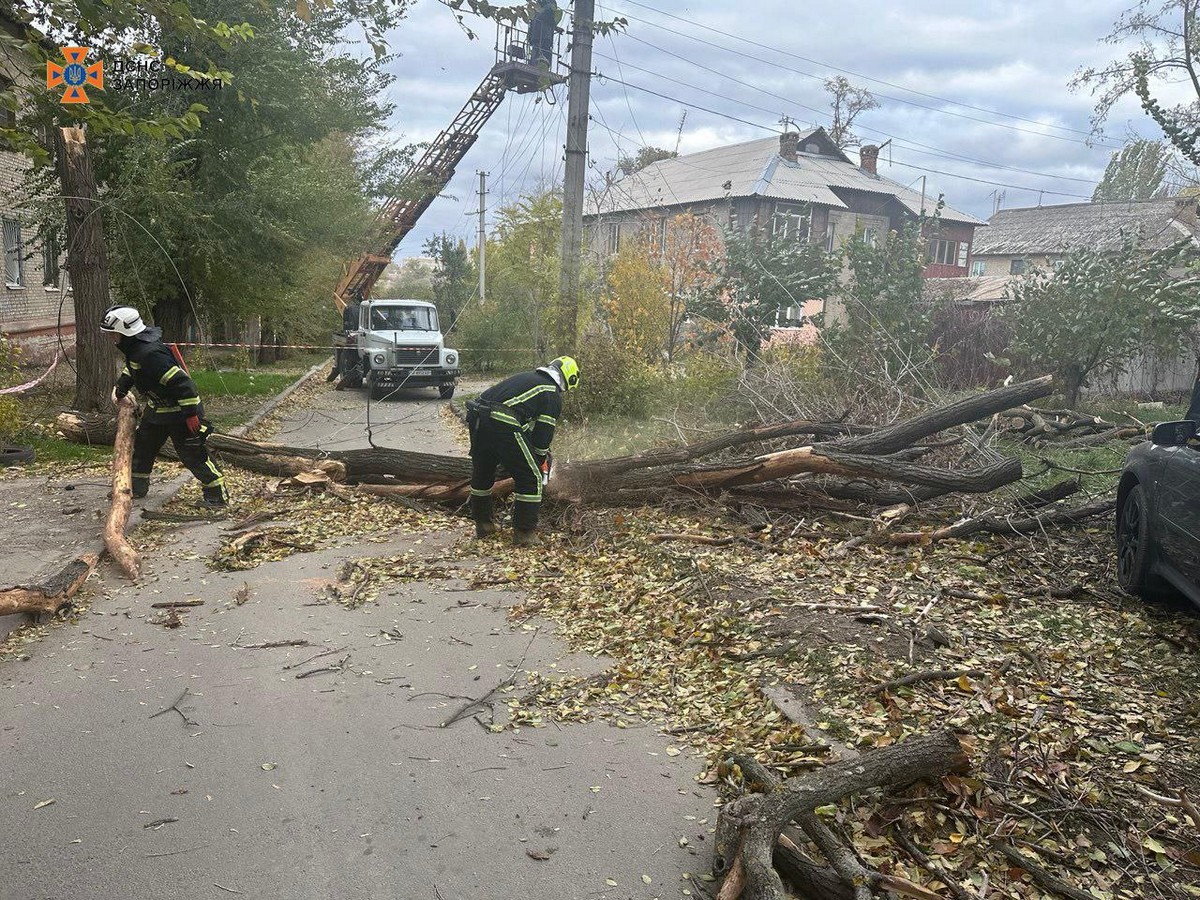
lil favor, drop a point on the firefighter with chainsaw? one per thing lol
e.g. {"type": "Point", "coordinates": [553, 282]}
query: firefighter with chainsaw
{"type": "Point", "coordinates": [511, 425]}
{"type": "Point", "coordinates": [173, 409]}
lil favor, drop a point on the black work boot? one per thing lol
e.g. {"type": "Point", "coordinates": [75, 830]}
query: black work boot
{"type": "Point", "coordinates": [481, 511]}
{"type": "Point", "coordinates": [214, 497]}
{"type": "Point", "coordinates": [525, 522]}
{"type": "Point", "coordinates": [141, 487]}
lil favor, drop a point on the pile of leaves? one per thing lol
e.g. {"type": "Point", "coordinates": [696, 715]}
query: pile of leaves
{"type": "Point", "coordinates": [360, 581]}
{"type": "Point", "coordinates": [304, 522]}
{"type": "Point", "coordinates": [1079, 702]}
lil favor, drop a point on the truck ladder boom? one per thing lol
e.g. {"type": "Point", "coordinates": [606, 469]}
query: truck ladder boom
{"type": "Point", "coordinates": [419, 188]}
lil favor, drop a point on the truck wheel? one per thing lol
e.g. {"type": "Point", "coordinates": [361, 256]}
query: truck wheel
{"type": "Point", "coordinates": [446, 391]}
{"type": "Point", "coordinates": [379, 392]}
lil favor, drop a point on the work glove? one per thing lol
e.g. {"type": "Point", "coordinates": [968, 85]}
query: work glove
{"type": "Point", "coordinates": [547, 463]}
{"type": "Point", "coordinates": [193, 425]}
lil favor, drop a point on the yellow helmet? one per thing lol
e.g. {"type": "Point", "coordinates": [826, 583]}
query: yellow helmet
{"type": "Point", "coordinates": [569, 369]}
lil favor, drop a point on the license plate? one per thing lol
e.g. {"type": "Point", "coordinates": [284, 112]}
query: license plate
{"type": "Point", "coordinates": [420, 373]}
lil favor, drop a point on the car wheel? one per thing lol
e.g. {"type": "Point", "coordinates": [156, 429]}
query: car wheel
{"type": "Point", "coordinates": [446, 391]}
{"type": "Point", "coordinates": [1133, 544]}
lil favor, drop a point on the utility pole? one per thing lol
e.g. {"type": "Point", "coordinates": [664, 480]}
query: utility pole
{"type": "Point", "coordinates": [578, 87]}
{"type": "Point", "coordinates": [482, 235]}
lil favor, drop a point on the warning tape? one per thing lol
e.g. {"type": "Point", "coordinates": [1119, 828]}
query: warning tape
{"type": "Point", "coordinates": [334, 347]}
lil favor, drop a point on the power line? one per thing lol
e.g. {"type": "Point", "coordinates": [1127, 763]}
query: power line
{"type": "Point", "coordinates": [934, 109]}
{"type": "Point", "coordinates": [937, 151]}
{"type": "Point", "coordinates": [686, 103]}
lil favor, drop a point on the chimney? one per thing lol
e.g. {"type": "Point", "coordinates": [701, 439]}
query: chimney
{"type": "Point", "coordinates": [868, 159]}
{"type": "Point", "coordinates": [789, 143]}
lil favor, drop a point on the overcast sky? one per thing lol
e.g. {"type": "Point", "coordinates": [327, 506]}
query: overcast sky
{"type": "Point", "coordinates": [986, 81]}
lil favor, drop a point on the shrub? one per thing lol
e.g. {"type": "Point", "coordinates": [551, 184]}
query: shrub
{"type": "Point", "coordinates": [11, 419]}
{"type": "Point", "coordinates": [613, 382]}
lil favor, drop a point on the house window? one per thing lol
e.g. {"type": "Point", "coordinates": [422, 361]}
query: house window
{"type": "Point", "coordinates": [943, 253]}
{"type": "Point", "coordinates": [791, 220]}
{"type": "Point", "coordinates": [50, 253]}
{"type": "Point", "coordinates": [870, 237]}
{"type": "Point", "coordinates": [613, 238]}
{"type": "Point", "coordinates": [977, 267]}
{"type": "Point", "coordinates": [1016, 267]}
{"type": "Point", "coordinates": [13, 275]}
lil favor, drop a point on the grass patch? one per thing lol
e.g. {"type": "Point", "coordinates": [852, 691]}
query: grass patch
{"type": "Point", "coordinates": [246, 383]}
{"type": "Point", "coordinates": [56, 450]}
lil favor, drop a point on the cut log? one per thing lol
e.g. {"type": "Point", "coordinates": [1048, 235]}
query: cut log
{"type": "Point", "coordinates": [52, 594]}
{"type": "Point", "coordinates": [97, 429]}
{"type": "Point", "coordinates": [115, 542]}
{"type": "Point", "coordinates": [748, 829]}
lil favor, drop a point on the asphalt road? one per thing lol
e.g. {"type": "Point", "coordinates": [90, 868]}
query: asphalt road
{"type": "Point", "coordinates": [339, 784]}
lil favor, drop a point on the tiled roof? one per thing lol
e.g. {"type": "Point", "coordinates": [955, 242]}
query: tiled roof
{"type": "Point", "coordinates": [1043, 230]}
{"type": "Point", "coordinates": [755, 169]}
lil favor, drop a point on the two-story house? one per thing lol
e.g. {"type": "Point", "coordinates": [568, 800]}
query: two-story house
{"type": "Point", "coordinates": [35, 300]}
{"type": "Point", "coordinates": [798, 184]}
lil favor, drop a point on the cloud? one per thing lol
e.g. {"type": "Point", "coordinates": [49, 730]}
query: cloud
{"type": "Point", "coordinates": [1001, 56]}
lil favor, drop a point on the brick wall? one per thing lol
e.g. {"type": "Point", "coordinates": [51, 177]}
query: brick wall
{"type": "Point", "coordinates": [29, 308]}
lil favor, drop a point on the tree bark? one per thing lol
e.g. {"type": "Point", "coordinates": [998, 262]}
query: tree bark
{"type": "Point", "coordinates": [969, 409]}
{"type": "Point", "coordinates": [115, 542]}
{"type": "Point", "coordinates": [52, 594]}
{"type": "Point", "coordinates": [749, 828]}
{"type": "Point", "coordinates": [994, 524]}
{"type": "Point", "coordinates": [87, 262]}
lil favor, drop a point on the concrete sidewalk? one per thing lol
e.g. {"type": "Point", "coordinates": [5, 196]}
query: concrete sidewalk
{"type": "Point", "coordinates": [336, 785]}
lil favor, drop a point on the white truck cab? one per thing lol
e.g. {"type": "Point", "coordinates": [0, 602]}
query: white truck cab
{"type": "Point", "coordinates": [397, 344]}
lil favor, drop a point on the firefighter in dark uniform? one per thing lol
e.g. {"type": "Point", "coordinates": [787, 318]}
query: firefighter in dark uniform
{"type": "Point", "coordinates": [512, 425]}
{"type": "Point", "coordinates": [173, 409]}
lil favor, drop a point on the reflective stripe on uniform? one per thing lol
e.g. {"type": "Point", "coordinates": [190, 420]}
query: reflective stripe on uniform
{"type": "Point", "coordinates": [162, 409]}
{"type": "Point", "coordinates": [506, 419]}
{"type": "Point", "coordinates": [547, 420]}
{"type": "Point", "coordinates": [134, 365]}
{"type": "Point", "coordinates": [530, 394]}
{"type": "Point", "coordinates": [481, 492]}
{"type": "Point", "coordinates": [190, 401]}
{"type": "Point", "coordinates": [533, 467]}
{"type": "Point", "coordinates": [169, 374]}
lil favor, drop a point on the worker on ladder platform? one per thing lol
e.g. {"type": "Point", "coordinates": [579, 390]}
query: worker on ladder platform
{"type": "Point", "coordinates": [512, 424]}
{"type": "Point", "coordinates": [541, 33]}
{"type": "Point", "coordinates": [173, 408]}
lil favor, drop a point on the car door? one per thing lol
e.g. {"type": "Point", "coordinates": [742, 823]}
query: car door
{"type": "Point", "coordinates": [1179, 509]}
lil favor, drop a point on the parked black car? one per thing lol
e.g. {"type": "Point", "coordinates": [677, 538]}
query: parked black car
{"type": "Point", "coordinates": [1158, 514]}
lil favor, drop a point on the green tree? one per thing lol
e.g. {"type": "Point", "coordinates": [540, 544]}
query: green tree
{"type": "Point", "coordinates": [761, 275]}
{"type": "Point", "coordinates": [628, 165]}
{"type": "Point", "coordinates": [846, 103]}
{"type": "Point", "coordinates": [1165, 37]}
{"type": "Point", "coordinates": [1099, 311]}
{"type": "Point", "coordinates": [1135, 172]}
{"type": "Point", "coordinates": [455, 279]}
{"type": "Point", "coordinates": [888, 319]}
{"type": "Point", "coordinates": [510, 329]}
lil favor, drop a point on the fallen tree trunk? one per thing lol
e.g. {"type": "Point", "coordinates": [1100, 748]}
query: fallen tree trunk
{"type": "Point", "coordinates": [52, 594]}
{"type": "Point", "coordinates": [883, 454]}
{"type": "Point", "coordinates": [115, 542]}
{"type": "Point", "coordinates": [748, 829]}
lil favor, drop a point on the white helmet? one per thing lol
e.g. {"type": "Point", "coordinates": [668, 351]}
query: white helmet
{"type": "Point", "coordinates": [123, 320]}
